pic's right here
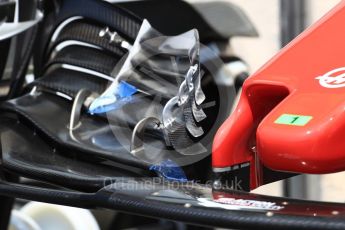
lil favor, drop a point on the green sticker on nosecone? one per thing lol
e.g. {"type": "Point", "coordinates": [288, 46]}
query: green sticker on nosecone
{"type": "Point", "coordinates": [295, 120]}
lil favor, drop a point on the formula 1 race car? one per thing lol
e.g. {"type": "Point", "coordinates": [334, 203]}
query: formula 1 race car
{"type": "Point", "coordinates": [108, 105]}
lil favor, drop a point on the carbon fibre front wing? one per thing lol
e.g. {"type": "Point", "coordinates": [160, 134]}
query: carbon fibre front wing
{"type": "Point", "coordinates": [193, 203]}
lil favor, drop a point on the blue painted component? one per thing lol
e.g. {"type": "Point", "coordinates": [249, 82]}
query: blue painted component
{"type": "Point", "coordinates": [113, 98]}
{"type": "Point", "coordinates": [170, 171]}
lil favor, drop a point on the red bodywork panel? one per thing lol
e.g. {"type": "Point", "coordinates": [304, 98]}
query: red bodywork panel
{"type": "Point", "coordinates": [291, 114]}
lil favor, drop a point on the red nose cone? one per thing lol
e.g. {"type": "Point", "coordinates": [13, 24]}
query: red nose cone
{"type": "Point", "coordinates": [291, 116]}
